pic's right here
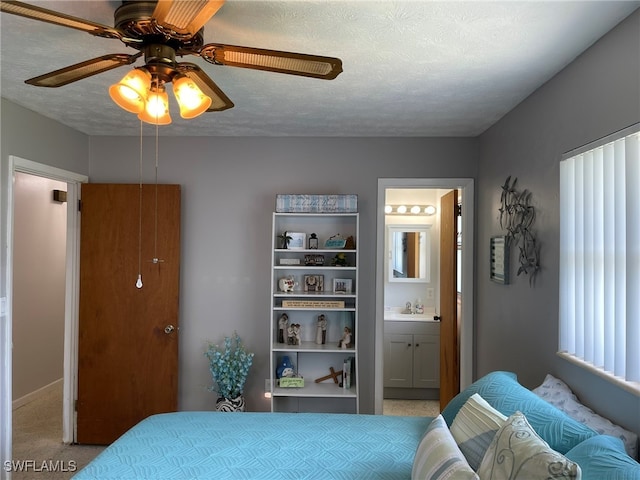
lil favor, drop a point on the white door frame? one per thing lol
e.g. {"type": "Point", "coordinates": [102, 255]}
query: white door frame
{"type": "Point", "coordinates": [468, 255]}
{"type": "Point", "coordinates": [73, 180]}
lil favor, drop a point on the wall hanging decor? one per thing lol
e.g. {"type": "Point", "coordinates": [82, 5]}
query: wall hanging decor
{"type": "Point", "coordinates": [516, 217]}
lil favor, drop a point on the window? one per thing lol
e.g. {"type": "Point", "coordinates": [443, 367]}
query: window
{"type": "Point", "coordinates": [600, 257]}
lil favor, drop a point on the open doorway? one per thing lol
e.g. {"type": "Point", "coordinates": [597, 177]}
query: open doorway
{"type": "Point", "coordinates": [31, 172]}
{"type": "Point", "coordinates": [410, 299]}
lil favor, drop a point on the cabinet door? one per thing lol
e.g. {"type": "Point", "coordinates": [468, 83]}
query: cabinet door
{"type": "Point", "coordinates": [398, 360]}
{"type": "Point", "coordinates": [426, 361]}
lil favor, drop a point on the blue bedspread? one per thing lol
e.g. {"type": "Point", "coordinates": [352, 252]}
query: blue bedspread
{"type": "Point", "coordinates": [212, 445]}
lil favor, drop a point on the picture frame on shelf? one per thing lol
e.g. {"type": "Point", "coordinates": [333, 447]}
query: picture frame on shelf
{"type": "Point", "coordinates": [342, 285]}
{"type": "Point", "coordinates": [298, 240]}
{"type": "Point", "coordinates": [314, 283]}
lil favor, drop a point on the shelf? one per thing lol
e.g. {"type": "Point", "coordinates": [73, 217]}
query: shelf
{"type": "Point", "coordinates": [311, 267]}
{"type": "Point", "coordinates": [315, 250]}
{"type": "Point", "coordinates": [313, 294]}
{"type": "Point", "coordinates": [341, 310]}
{"type": "Point", "coordinates": [316, 390]}
{"type": "Point", "coordinates": [312, 347]}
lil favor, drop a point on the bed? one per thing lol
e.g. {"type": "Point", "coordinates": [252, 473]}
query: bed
{"type": "Point", "coordinates": [223, 445]}
{"type": "Point", "coordinates": [325, 446]}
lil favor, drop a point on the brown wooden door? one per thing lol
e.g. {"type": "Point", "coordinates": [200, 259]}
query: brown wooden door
{"type": "Point", "coordinates": [449, 322]}
{"type": "Point", "coordinates": [127, 362]}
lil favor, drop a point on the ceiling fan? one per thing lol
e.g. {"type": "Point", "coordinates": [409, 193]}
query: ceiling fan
{"type": "Point", "coordinates": [161, 30]}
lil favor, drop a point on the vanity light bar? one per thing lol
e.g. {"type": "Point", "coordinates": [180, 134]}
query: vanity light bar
{"type": "Point", "coordinates": [410, 210]}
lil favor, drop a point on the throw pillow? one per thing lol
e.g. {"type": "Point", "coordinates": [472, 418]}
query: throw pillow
{"type": "Point", "coordinates": [517, 452]}
{"type": "Point", "coordinates": [503, 392]}
{"type": "Point", "coordinates": [438, 457]}
{"type": "Point", "coordinates": [603, 457]}
{"type": "Point", "coordinates": [474, 427]}
{"type": "Point", "coordinates": [558, 394]}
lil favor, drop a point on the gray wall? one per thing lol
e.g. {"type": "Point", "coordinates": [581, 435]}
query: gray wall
{"type": "Point", "coordinates": [517, 326]}
{"type": "Point", "coordinates": [39, 256]}
{"type": "Point", "coordinates": [228, 193]}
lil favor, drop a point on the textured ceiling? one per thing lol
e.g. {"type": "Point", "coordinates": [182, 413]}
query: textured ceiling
{"type": "Point", "coordinates": [411, 68]}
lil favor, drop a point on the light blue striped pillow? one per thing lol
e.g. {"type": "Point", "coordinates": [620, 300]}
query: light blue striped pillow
{"type": "Point", "coordinates": [438, 457]}
{"type": "Point", "coordinates": [474, 427]}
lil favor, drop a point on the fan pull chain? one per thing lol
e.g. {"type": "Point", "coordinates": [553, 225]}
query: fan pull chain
{"type": "Point", "coordinates": [155, 239]}
{"type": "Point", "coordinates": [139, 281]}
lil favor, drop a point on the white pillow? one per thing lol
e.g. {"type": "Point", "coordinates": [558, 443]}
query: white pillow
{"type": "Point", "coordinates": [474, 427]}
{"type": "Point", "coordinates": [558, 394]}
{"type": "Point", "coordinates": [517, 452]}
{"type": "Point", "coordinates": [438, 457]}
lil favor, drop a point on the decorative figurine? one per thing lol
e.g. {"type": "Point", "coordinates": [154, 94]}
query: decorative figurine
{"type": "Point", "coordinates": [283, 324]}
{"type": "Point", "coordinates": [340, 260]}
{"type": "Point", "coordinates": [345, 341]}
{"type": "Point", "coordinates": [285, 368]}
{"type": "Point", "coordinates": [290, 335]}
{"type": "Point", "coordinates": [321, 331]}
{"type": "Point", "coordinates": [285, 239]}
{"type": "Point", "coordinates": [313, 242]}
{"type": "Point", "coordinates": [350, 243]}
{"type": "Point", "coordinates": [296, 334]}
{"type": "Point", "coordinates": [286, 284]}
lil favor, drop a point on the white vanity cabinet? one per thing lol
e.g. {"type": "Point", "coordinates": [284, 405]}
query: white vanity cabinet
{"type": "Point", "coordinates": [305, 284]}
{"type": "Point", "coordinates": [412, 354]}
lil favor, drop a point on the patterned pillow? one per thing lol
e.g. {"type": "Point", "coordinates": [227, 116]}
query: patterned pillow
{"type": "Point", "coordinates": [503, 392]}
{"type": "Point", "coordinates": [558, 394]}
{"type": "Point", "coordinates": [603, 457]}
{"type": "Point", "coordinates": [517, 452]}
{"type": "Point", "coordinates": [474, 427]}
{"type": "Point", "coordinates": [438, 457]}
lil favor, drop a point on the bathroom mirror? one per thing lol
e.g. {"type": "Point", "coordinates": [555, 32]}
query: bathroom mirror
{"type": "Point", "coordinates": [409, 258]}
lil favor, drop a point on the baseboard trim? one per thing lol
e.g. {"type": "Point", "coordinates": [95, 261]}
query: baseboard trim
{"type": "Point", "coordinates": [30, 397]}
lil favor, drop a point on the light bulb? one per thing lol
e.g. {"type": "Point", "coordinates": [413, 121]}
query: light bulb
{"type": "Point", "coordinates": [402, 209]}
{"type": "Point", "coordinates": [430, 210]}
{"type": "Point", "coordinates": [388, 209]}
{"type": "Point", "coordinates": [190, 98]}
{"type": "Point", "coordinates": [129, 93]}
{"type": "Point", "coordinates": [156, 109]}
{"type": "Point", "coordinates": [415, 209]}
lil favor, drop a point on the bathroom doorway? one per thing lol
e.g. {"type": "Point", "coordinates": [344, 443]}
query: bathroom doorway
{"type": "Point", "coordinates": [406, 298]}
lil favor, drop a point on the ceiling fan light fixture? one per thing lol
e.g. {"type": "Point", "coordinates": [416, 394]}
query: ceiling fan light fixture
{"type": "Point", "coordinates": [129, 94]}
{"type": "Point", "coordinates": [190, 98]}
{"type": "Point", "coordinates": [156, 111]}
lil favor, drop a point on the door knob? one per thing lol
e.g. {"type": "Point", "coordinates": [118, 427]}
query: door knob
{"type": "Point", "coordinates": [168, 329]}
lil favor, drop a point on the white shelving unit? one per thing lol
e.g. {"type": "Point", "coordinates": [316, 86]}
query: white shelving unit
{"type": "Point", "coordinates": [311, 360]}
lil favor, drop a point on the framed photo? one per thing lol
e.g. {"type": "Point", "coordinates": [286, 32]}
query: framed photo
{"type": "Point", "coordinates": [298, 240]}
{"type": "Point", "coordinates": [314, 283]}
{"type": "Point", "coordinates": [341, 285]}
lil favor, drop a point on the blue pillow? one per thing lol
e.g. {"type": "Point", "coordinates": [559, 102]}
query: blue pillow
{"type": "Point", "coordinates": [503, 392]}
{"type": "Point", "coordinates": [603, 457]}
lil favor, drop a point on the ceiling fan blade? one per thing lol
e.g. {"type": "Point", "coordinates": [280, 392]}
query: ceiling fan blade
{"type": "Point", "coordinates": [314, 66]}
{"type": "Point", "coordinates": [82, 70]}
{"type": "Point", "coordinates": [219, 101]}
{"type": "Point", "coordinates": [57, 18]}
{"type": "Point", "coordinates": [185, 17]}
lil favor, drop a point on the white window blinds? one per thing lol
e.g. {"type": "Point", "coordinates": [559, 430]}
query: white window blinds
{"type": "Point", "coordinates": [600, 255]}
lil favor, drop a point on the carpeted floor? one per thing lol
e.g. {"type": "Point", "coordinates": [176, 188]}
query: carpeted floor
{"type": "Point", "coordinates": [419, 408]}
{"type": "Point", "coordinates": [38, 451]}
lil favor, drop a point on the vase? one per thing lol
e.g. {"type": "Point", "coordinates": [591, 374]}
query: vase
{"type": "Point", "coordinates": [230, 404]}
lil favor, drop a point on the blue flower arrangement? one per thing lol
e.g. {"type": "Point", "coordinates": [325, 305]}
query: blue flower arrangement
{"type": "Point", "coordinates": [229, 367]}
